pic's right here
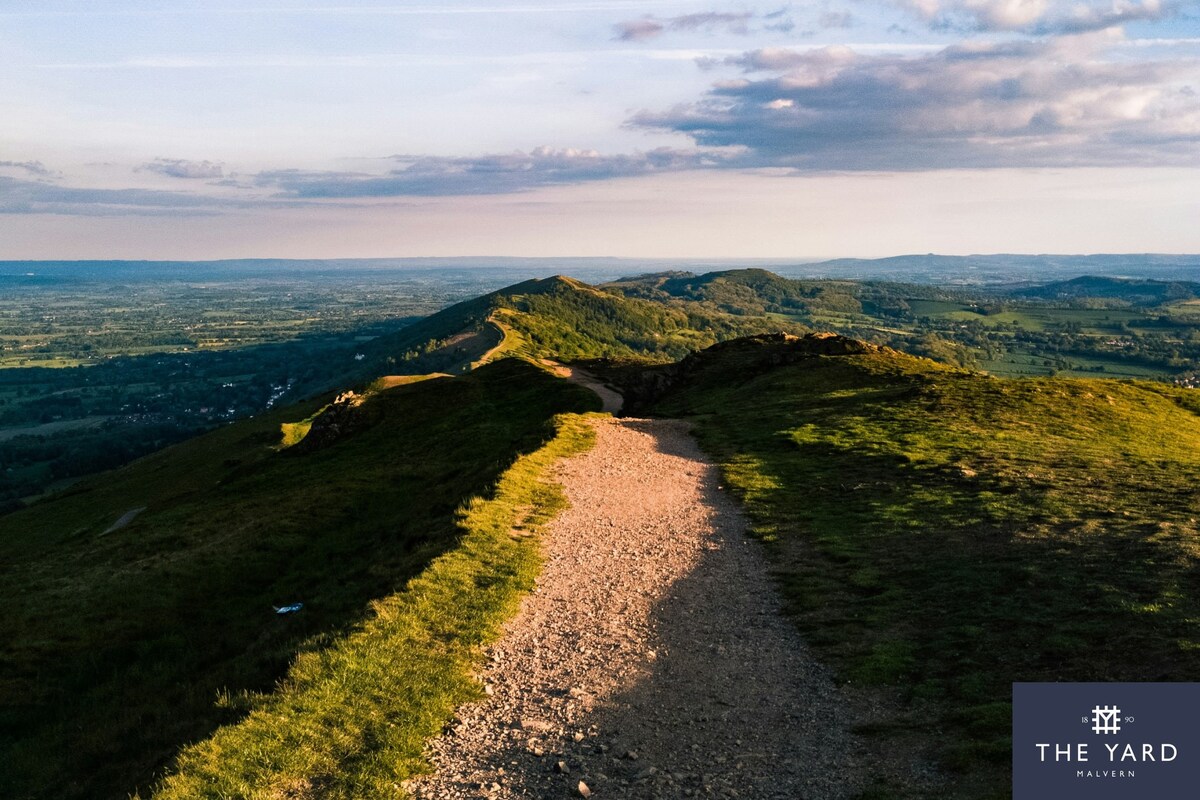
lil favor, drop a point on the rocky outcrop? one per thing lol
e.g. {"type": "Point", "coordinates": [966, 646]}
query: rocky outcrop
{"type": "Point", "coordinates": [346, 415]}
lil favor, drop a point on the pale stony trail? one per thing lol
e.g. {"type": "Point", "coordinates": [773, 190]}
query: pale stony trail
{"type": "Point", "coordinates": [611, 401]}
{"type": "Point", "coordinates": [652, 660]}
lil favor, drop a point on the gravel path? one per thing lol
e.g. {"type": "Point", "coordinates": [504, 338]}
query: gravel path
{"type": "Point", "coordinates": [651, 661]}
{"type": "Point", "coordinates": [611, 400]}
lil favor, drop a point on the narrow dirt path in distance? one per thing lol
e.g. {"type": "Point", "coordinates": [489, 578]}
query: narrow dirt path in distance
{"type": "Point", "coordinates": [652, 660]}
{"type": "Point", "coordinates": [611, 400]}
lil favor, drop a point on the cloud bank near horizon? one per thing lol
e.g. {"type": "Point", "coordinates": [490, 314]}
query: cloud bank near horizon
{"type": "Point", "coordinates": [499, 173]}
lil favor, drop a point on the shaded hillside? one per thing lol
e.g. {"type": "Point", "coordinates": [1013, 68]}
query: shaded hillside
{"type": "Point", "coordinates": [945, 533]}
{"type": "Point", "coordinates": [137, 599]}
{"type": "Point", "coordinates": [745, 292]}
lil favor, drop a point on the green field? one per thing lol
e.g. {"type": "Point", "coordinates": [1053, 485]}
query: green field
{"type": "Point", "coordinates": [1030, 317]}
{"type": "Point", "coordinates": [1018, 365]}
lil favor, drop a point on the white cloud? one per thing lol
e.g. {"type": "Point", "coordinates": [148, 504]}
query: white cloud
{"type": "Point", "coordinates": [649, 27]}
{"type": "Point", "coordinates": [500, 173]}
{"type": "Point", "coordinates": [1037, 16]}
{"type": "Point", "coordinates": [182, 168]}
{"type": "Point", "coordinates": [28, 167]}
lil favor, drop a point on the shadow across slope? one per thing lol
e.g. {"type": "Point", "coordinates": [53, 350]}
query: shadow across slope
{"type": "Point", "coordinates": [941, 533]}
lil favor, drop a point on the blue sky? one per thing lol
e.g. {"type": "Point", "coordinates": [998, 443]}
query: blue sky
{"type": "Point", "coordinates": [843, 127]}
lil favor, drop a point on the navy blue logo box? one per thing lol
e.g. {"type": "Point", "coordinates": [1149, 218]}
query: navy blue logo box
{"type": "Point", "coordinates": [1104, 741]}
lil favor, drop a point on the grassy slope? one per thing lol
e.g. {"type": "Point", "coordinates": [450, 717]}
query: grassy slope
{"type": "Point", "coordinates": [351, 720]}
{"type": "Point", "coordinates": [948, 533]}
{"type": "Point", "coordinates": [115, 646]}
{"type": "Point", "coordinates": [573, 321]}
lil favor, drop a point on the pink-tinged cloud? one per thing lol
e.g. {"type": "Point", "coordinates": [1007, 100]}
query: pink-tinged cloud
{"type": "Point", "coordinates": [1036, 16]}
{"type": "Point", "coordinates": [649, 27]}
{"type": "Point", "coordinates": [1050, 102]}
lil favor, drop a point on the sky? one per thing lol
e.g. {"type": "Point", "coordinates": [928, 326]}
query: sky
{"type": "Point", "coordinates": [277, 128]}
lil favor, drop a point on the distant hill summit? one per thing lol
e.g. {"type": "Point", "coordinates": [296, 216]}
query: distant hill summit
{"type": "Point", "coordinates": [744, 292]}
{"type": "Point", "coordinates": [1138, 291]}
{"type": "Point", "coordinates": [557, 317]}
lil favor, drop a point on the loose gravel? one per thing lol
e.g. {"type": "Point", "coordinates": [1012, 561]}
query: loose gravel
{"type": "Point", "coordinates": [652, 659]}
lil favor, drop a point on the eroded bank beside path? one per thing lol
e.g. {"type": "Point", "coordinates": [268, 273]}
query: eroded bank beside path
{"type": "Point", "coordinates": [652, 659]}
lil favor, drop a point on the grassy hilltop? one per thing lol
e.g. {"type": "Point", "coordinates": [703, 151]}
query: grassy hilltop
{"type": "Point", "coordinates": [1119, 327]}
{"type": "Point", "coordinates": [564, 318]}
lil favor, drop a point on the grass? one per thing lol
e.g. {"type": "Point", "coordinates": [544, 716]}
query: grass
{"type": "Point", "coordinates": [564, 319]}
{"type": "Point", "coordinates": [1032, 317]}
{"type": "Point", "coordinates": [114, 648]}
{"type": "Point", "coordinates": [291, 433]}
{"type": "Point", "coordinates": [1017, 363]}
{"type": "Point", "coordinates": [944, 533]}
{"type": "Point", "coordinates": [350, 720]}
{"type": "Point", "coordinates": [938, 533]}
{"type": "Point", "coordinates": [511, 342]}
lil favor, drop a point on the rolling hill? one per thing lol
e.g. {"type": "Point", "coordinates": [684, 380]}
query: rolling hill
{"type": "Point", "coordinates": [137, 596]}
{"type": "Point", "coordinates": [556, 317]}
{"type": "Point", "coordinates": [744, 292]}
{"type": "Point", "coordinates": [1137, 292]}
{"type": "Point", "coordinates": [938, 533]}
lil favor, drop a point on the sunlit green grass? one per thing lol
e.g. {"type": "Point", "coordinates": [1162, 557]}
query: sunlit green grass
{"type": "Point", "coordinates": [1032, 317]}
